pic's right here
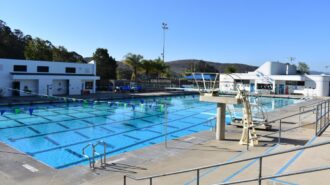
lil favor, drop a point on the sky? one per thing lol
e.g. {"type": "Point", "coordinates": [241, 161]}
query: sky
{"type": "Point", "coordinates": [226, 31]}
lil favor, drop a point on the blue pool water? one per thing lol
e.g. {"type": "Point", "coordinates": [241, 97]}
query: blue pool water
{"type": "Point", "coordinates": [56, 133]}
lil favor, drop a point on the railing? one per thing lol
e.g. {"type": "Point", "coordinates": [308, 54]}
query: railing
{"type": "Point", "coordinates": [308, 107]}
{"type": "Point", "coordinates": [260, 177]}
{"type": "Point", "coordinates": [322, 117]}
{"type": "Point", "coordinates": [91, 159]}
{"type": "Point", "coordinates": [322, 109]}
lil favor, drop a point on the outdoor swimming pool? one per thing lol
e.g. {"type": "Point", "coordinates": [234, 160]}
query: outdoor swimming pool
{"type": "Point", "coordinates": [56, 133]}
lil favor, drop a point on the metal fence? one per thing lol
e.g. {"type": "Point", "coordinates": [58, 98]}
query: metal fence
{"type": "Point", "coordinates": [258, 179]}
{"type": "Point", "coordinates": [322, 117]}
{"type": "Point", "coordinates": [322, 111]}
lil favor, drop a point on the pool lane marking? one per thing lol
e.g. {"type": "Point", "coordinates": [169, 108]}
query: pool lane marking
{"type": "Point", "coordinates": [249, 164]}
{"type": "Point", "coordinates": [109, 130]}
{"type": "Point", "coordinates": [15, 139]}
{"type": "Point", "coordinates": [52, 141]}
{"type": "Point", "coordinates": [34, 130]}
{"type": "Point", "coordinates": [82, 135]}
{"type": "Point", "coordinates": [60, 124]}
{"type": "Point", "coordinates": [83, 119]}
{"type": "Point", "coordinates": [74, 153]}
{"type": "Point", "coordinates": [121, 148]}
{"type": "Point", "coordinates": [210, 170]}
{"type": "Point", "coordinates": [106, 136]}
{"type": "Point", "coordinates": [149, 130]}
{"type": "Point", "coordinates": [131, 137]}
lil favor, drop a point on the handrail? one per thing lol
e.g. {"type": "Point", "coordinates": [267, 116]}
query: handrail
{"type": "Point", "coordinates": [297, 172]}
{"type": "Point", "coordinates": [91, 161]}
{"type": "Point", "coordinates": [104, 161]}
{"type": "Point", "coordinates": [260, 157]}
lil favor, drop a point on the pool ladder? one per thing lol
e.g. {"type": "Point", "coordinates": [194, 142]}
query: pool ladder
{"type": "Point", "coordinates": [95, 154]}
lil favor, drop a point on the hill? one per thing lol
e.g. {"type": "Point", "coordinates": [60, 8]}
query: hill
{"type": "Point", "coordinates": [15, 45]}
{"type": "Point", "coordinates": [180, 66]}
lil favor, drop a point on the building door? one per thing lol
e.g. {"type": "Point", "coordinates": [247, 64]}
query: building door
{"type": "Point", "coordinates": [16, 85]}
{"type": "Point", "coordinates": [281, 89]}
{"type": "Point", "coordinates": [252, 87]}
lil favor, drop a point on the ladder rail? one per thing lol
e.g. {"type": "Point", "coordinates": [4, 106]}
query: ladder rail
{"type": "Point", "coordinates": [90, 159]}
{"type": "Point", "coordinates": [104, 157]}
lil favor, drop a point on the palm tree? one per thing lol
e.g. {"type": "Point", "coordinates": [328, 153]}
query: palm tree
{"type": "Point", "coordinates": [160, 67]}
{"type": "Point", "coordinates": [148, 67]}
{"type": "Point", "coordinates": [134, 61]}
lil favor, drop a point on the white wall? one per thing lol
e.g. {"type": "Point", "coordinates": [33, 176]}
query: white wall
{"type": "Point", "coordinates": [276, 68]}
{"type": "Point", "coordinates": [60, 87]}
{"type": "Point", "coordinates": [85, 72]}
{"type": "Point", "coordinates": [75, 86]}
{"type": "Point", "coordinates": [31, 85]}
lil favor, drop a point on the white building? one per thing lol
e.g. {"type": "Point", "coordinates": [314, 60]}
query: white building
{"type": "Point", "coordinates": [46, 78]}
{"type": "Point", "coordinates": [277, 78]}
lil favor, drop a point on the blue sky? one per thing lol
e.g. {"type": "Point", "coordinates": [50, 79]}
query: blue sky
{"type": "Point", "coordinates": [243, 31]}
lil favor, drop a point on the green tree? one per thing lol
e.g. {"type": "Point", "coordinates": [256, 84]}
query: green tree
{"type": "Point", "coordinates": [160, 68]}
{"type": "Point", "coordinates": [12, 43]}
{"type": "Point", "coordinates": [148, 66]}
{"type": "Point", "coordinates": [38, 49]}
{"type": "Point", "coordinates": [230, 69]}
{"type": "Point", "coordinates": [134, 61]}
{"type": "Point", "coordinates": [61, 54]}
{"type": "Point", "coordinates": [303, 68]}
{"type": "Point", "coordinates": [105, 65]}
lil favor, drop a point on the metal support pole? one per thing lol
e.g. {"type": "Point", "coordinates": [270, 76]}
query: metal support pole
{"type": "Point", "coordinates": [316, 120]}
{"type": "Point", "coordinates": [93, 157]}
{"type": "Point", "coordinates": [321, 117]}
{"type": "Point", "coordinates": [280, 132]}
{"type": "Point", "coordinates": [150, 181]}
{"type": "Point", "coordinates": [124, 179]}
{"type": "Point", "coordinates": [260, 171]}
{"type": "Point", "coordinates": [197, 179]}
{"type": "Point", "coordinates": [105, 153]}
{"type": "Point", "coordinates": [248, 138]}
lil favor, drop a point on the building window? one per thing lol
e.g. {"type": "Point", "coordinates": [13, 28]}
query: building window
{"type": "Point", "coordinates": [297, 83]}
{"type": "Point", "coordinates": [265, 86]}
{"type": "Point", "coordinates": [43, 69]}
{"type": "Point", "coordinates": [70, 70]}
{"type": "Point", "coordinates": [243, 81]}
{"type": "Point", "coordinates": [20, 68]}
{"type": "Point", "coordinates": [88, 85]}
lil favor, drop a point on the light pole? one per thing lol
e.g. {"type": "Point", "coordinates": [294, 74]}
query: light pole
{"type": "Point", "coordinates": [292, 59]}
{"type": "Point", "coordinates": [165, 27]}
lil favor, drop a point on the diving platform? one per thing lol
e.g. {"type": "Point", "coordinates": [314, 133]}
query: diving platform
{"type": "Point", "coordinates": [221, 102]}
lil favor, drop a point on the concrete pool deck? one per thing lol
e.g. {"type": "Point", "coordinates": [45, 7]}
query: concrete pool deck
{"type": "Point", "coordinates": [191, 151]}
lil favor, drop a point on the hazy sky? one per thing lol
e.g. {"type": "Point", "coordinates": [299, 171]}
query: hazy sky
{"type": "Point", "coordinates": [244, 31]}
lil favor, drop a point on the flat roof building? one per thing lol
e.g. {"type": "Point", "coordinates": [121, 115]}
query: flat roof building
{"type": "Point", "coordinates": [50, 78]}
{"type": "Point", "coordinates": [277, 78]}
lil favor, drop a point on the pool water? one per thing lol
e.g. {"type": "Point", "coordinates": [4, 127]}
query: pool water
{"type": "Point", "coordinates": [56, 133]}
